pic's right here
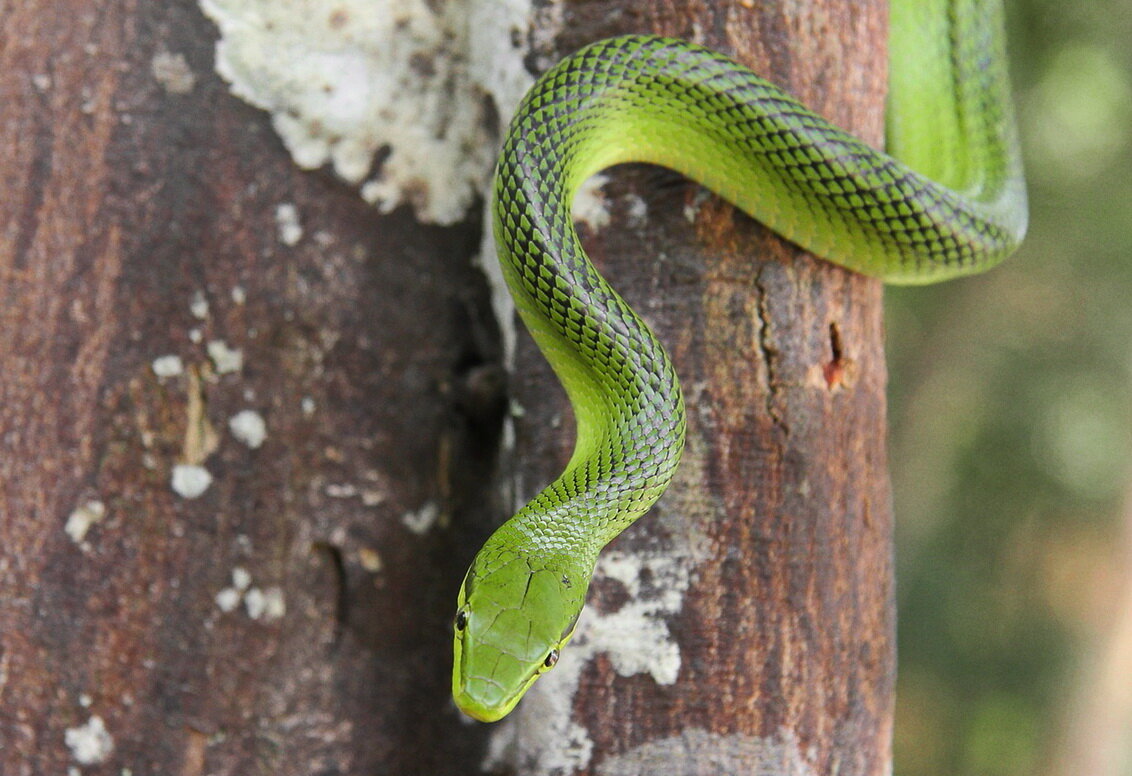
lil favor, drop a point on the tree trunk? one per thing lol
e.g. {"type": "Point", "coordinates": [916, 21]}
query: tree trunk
{"type": "Point", "coordinates": [178, 596]}
{"type": "Point", "coordinates": [746, 624]}
{"type": "Point", "coordinates": [294, 617]}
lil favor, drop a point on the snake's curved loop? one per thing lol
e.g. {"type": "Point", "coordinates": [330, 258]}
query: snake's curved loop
{"type": "Point", "coordinates": [645, 98]}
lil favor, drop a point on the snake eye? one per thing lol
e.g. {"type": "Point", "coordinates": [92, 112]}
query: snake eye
{"type": "Point", "coordinates": [461, 621]}
{"type": "Point", "coordinates": [551, 659]}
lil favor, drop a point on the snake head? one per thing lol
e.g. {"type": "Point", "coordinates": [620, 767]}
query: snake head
{"type": "Point", "coordinates": [515, 614]}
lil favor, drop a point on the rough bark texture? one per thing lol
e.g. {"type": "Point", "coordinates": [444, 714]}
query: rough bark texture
{"type": "Point", "coordinates": [778, 526]}
{"type": "Point", "coordinates": [368, 349]}
{"type": "Point", "coordinates": [139, 220]}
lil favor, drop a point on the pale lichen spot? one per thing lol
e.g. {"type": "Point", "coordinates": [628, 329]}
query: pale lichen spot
{"type": "Point", "coordinates": [590, 206]}
{"type": "Point", "coordinates": [190, 480]}
{"type": "Point", "coordinates": [638, 209]}
{"type": "Point", "coordinates": [341, 490]}
{"type": "Point", "coordinates": [253, 603]}
{"type": "Point", "coordinates": [91, 743]}
{"type": "Point", "coordinates": [198, 305]}
{"type": "Point", "coordinates": [249, 427]}
{"type": "Point", "coordinates": [307, 406]}
{"type": "Point", "coordinates": [422, 519]}
{"type": "Point", "coordinates": [82, 518]}
{"type": "Point", "coordinates": [287, 221]}
{"type": "Point", "coordinates": [266, 604]}
{"type": "Point", "coordinates": [370, 560]}
{"type": "Point", "coordinates": [241, 579]}
{"type": "Point", "coordinates": [274, 603]}
{"type": "Point", "coordinates": [228, 599]}
{"type": "Point", "coordinates": [172, 71]}
{"type": "Point", "coordinates": [224, 358]}
{"type": "Point", "coordinates": [239, 295]}
{"type": "Point", "coordinates": [168, 366]}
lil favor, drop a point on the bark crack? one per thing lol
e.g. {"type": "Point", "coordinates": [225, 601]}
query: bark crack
{"type": "Point", "coordinates": [770, 355]}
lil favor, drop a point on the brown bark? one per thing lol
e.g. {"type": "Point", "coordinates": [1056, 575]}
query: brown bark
{"type": "Point", "coordinates": [369, 350]}
{"type": "Point", "coordinates": [778, 524]}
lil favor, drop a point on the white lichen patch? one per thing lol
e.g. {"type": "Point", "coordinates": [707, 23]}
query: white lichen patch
{"type": "Point", "coordinates": [422, 519]}
{"type": "Point", "coordinates": [249, 427]}
{"type": "Point", "coordinates": [780, 755]}
{"type": "Point", "coordinates": [341, 490]}
{"type": "Point", "coordinates": [590, 206]}
{"type": "Point", "coordinates": [638, 209]}
{"type": "Point", "coordinates": [621, 634]}
{"type": "Point", "coordinates": [190, 480]}
{"type": "Point", "coordinates": [84, 516]}
{"type": "Point", "coordinates": [228, 599]}
{"type": "Point", "coordinates": [238, 294]}
{"type": "Point", "coordinates": [274, 604]}
{"type": "Point", "coordinates": [168, 366]}
{"type": "Point", "coordinates": [287, 222]}
{"type": "Point", "coordinates": [173, 72]}
{"type": "Point", "coordinates": [404, 97]}
{"type": "Point", "coordinates": [260, 604]}
{"type": "Point", "coordinates": [91, 743]}
{"type": "Point", "coordinates": [224, 358]}
{"type": "Point", "coordinates": [198, 305]}
{"type": "Point", "coordinates": [241, 578]}
{"type": "Point", "coordinates": [265, 604]}
{"type": "Point", "coordinates": [404, 82]}
{"type": "Point", "coordinates": [370, 560]}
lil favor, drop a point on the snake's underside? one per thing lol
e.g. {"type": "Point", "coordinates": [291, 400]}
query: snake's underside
{"type": "Point", "coordinates": [949, 201]}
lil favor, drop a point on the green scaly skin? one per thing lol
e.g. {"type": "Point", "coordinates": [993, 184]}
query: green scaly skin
{"type": "Point", "coordinates": [643, 98]}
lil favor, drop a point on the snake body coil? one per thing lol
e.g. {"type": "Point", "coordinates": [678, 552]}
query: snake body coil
{"type": "Point", "coordinates": [644, 98]}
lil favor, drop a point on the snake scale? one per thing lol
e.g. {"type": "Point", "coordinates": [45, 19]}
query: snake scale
{"type": "Point", "coordinates": [948, 201]}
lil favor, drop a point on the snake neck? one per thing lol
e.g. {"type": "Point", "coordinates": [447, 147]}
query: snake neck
{"type": "Point", "coordinates": [627, 402]}
{"type": "Point", "coordinates": [644, 98]}
{"type": "Point", "coordinates": [628, 407]}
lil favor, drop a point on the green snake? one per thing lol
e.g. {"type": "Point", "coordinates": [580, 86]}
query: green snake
{"type": "Point", "coordinates": [949, 201]}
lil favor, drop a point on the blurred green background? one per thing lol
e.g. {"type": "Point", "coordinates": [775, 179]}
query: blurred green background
{"type": "Point", "coordinates": [1011, 446]}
